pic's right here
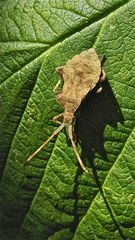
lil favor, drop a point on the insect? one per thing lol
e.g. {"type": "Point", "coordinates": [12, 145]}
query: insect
{"type": "Point", "coordinates": [80, 75]}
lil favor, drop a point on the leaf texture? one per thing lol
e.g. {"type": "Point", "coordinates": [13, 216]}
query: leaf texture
{"type": "Point", "coordinates": [51, 198]}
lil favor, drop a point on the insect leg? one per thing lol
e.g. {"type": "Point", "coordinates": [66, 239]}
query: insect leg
{"type": "Point", "coordinates": [70, 133]}
{"type": "Point", "coordinates": [55, 119]}
{"type": "Point", "coordinates": [99, 90]}
{"type": "Point", "coordinates": [55, 90]}
{"type": "Point", "coordinates": [46, 142]}
{"type": "Point", "coordinates": [103, 76]}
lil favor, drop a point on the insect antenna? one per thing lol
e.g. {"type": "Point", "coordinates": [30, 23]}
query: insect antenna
{"type": "Point", "coordinates": [45, 143]}
{"type": "Point", "coordinates": [70, 133]}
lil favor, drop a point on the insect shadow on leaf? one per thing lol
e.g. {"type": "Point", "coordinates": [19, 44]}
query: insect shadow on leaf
{"type": "Point", "coordinates": [92, 116]}
{"type": "Point", "coordinates": [91, 119]}
{"type": "Point", "coordinates": [80, 75]}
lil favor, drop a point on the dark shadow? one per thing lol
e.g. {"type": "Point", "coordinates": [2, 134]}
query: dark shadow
{"type": "Point", "coordinates": [76, 219]}
{"type": "Point", "coordinates": [97, 111]}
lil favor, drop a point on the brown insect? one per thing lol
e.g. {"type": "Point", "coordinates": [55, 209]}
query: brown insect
{"type": "Point", "coordinates": [80, 75]}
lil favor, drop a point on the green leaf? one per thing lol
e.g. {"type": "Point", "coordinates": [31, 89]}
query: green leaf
{"type": "Point", "coordinates": [51, 198]}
